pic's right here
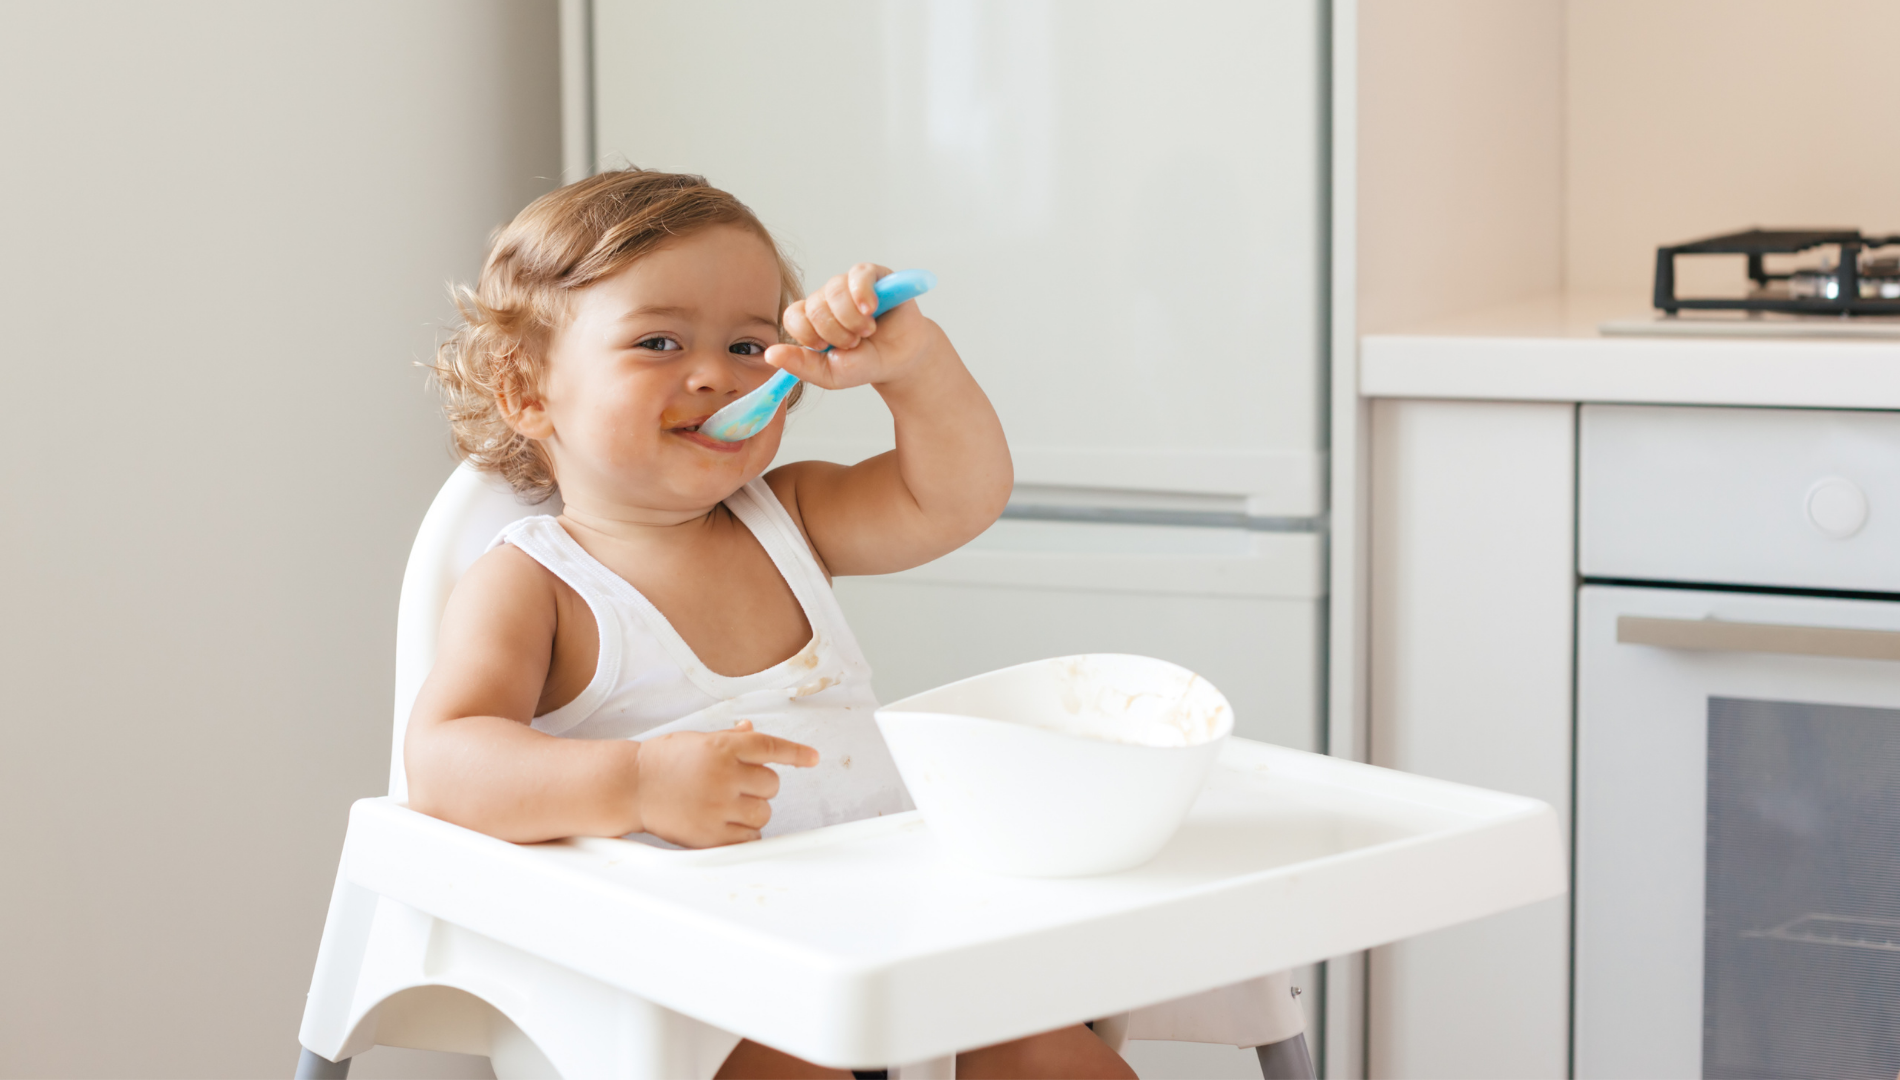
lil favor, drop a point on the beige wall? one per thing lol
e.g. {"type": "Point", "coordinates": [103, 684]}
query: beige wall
{"type": "Point", "coordinates": [1509, 148]}
{"type": "Point", "coordinates": [1460, 156]}
{"type": "Point", "coordinates": [224, 233]}
{"type": "Point", "coordinates": [1693, 117]}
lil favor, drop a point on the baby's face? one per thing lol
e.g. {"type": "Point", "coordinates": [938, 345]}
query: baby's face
{"type": "Point", "coordinates": [649, 354]}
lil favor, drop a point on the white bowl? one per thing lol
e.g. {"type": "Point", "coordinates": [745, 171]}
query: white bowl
{"type": "Point", "coordinates": [1060, 768]}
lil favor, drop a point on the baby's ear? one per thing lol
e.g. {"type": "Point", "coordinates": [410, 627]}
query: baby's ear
{"type": "Point", "coordinates": [517, 395]}
{"type": "Point", "coordinates": [528, 416]}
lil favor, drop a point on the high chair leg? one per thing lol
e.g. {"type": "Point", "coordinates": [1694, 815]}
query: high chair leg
{"type": "Point", "coordinates": [311, 1066]}
{"type": "Point", "coordinates": [1287, 1059]}
{"type": "Point", "coordinates": [943, 1068]}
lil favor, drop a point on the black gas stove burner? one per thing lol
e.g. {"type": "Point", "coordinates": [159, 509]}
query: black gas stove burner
{"type": "Point", "coordinates": [1852, 283]}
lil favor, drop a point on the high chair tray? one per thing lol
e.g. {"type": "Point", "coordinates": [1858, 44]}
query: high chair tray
{"type": "Point", "coordinates": [861, 944]}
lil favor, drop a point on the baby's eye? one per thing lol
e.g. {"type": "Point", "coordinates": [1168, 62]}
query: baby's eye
{"type": "Point", "coordinates": [657, 343]}
{"type": "Point", "coordinates": [747, 348]}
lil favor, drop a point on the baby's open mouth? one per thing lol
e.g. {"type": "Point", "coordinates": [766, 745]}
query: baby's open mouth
{"type": "Point", "coordinates": [690, 432]}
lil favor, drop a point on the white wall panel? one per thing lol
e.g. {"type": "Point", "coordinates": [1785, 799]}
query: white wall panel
{"type": "Point", "coordinates": [1121, 199]}
{"type": "Point", "coordinates": [1473, 593]}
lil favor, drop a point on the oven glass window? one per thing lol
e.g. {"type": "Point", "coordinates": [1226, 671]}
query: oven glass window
{"type": "Point", "coordinates": [1801, 960]}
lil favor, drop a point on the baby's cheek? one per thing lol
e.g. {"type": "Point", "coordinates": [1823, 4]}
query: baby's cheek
{"type": "Point", "coordinates": [764, 446]}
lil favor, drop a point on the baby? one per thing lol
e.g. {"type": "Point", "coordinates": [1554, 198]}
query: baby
{"type": "Point", "coordinates": [638, 663]}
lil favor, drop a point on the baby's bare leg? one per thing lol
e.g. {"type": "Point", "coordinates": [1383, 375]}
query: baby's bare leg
{"type": "Point", "coordinates": [750, 1061]}
{"type": "Point", "coordinates": [1070, 1053]}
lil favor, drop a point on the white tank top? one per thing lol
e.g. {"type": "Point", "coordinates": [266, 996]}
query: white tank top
{"type": "Point", "coordinates": [648, 682]}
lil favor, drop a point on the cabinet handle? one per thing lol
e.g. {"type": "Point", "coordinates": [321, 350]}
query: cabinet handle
{"type": "Point", "coordinates": [1720, 636]}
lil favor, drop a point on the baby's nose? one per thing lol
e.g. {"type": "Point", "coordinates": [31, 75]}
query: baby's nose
{"type": "Point", "coordinates": [715, 374]}
{"type": "Point", "coordinates": [722, 374]}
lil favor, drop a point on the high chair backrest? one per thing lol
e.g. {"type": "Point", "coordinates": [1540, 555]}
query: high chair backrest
{"type": "Point", "coordinates": [467, 514]}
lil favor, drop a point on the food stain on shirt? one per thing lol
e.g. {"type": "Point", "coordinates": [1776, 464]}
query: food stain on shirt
{"type": "Point", "coordinates": [810, 688]}
{"type": "Point", "coordinates": [808, 656]}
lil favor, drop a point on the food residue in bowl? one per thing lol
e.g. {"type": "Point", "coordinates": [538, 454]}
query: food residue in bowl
{"type": "Point", "coordinates": [1145, 704]}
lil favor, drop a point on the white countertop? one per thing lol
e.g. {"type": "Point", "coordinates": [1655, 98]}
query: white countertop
{"type": "Point", "coordinates": [1551, 349]}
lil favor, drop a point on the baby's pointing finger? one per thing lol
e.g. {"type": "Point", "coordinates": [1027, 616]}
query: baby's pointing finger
{"type": "Point", "coordinates": [756, 748]}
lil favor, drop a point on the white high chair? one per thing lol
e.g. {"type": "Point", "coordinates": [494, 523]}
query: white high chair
{"type": "Point", "coordinates": [854, 945]}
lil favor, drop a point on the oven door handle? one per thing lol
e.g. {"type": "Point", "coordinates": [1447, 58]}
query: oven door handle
{"type": "Point", "coordinates": [1717, 635]}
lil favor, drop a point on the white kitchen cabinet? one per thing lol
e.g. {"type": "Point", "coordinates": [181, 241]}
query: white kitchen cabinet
{"type": "Point", "coordinates": [1472, 645]}
{"type": "Point", "coordinates": [1473, 587]}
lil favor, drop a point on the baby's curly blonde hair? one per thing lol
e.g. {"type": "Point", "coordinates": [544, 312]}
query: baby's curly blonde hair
{"type": "Point", "coordinates": [564, 241]}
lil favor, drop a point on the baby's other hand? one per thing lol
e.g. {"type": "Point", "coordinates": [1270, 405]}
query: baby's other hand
{"type": "Point", "coordinates": [864, 349]}
{"type": "Point", "coordinates": [704, 790]}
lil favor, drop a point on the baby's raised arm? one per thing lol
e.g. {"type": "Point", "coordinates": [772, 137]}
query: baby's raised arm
{"type": "Point", "coordinates": [473, 758]}
{"type": "Point", "coordinates": [950, 475]}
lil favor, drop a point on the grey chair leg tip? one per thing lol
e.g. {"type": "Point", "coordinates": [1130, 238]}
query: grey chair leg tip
{"type": "Point", "coordinates": [1286, 1060]}
{"type": "Point", "coordinates": [312, 1067]}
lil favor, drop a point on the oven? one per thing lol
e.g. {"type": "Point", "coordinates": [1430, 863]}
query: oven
{"type": "Point", "coordinates": [1738, 744]}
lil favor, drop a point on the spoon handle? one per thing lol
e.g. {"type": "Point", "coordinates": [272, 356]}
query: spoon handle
{"type": "Point", "coordinates": [745, 417]}
{"type": "Point", "coordinates": [893, 289]}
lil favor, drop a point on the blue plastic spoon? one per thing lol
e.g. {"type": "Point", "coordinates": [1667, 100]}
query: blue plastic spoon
{"type": "Point", "coordinates": [747, 416]}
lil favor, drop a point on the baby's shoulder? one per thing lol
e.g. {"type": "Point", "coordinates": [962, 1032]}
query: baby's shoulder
{"type": "Point", "coordinates": [508, 580]}
{"type": "Point", "coordinates": [508, 562]}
